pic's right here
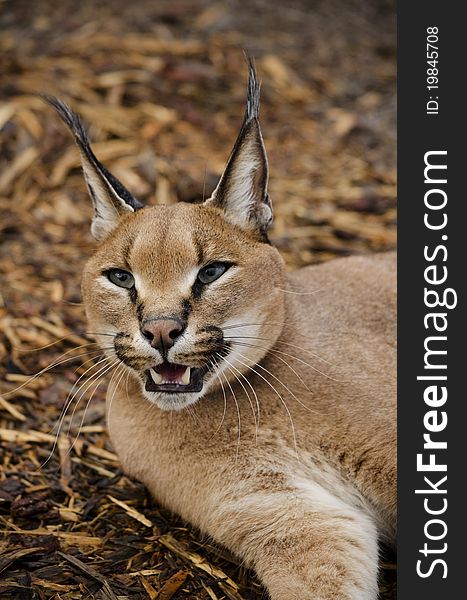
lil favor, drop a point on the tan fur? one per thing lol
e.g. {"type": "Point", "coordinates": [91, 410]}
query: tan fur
{"type": "Point", "coordinates": [304, 512]}
{"type": "Point", "coordinates": [287, 456]}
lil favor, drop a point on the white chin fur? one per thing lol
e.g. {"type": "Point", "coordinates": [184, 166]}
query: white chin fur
{"type": "Point", "coordinates": [168, 401]}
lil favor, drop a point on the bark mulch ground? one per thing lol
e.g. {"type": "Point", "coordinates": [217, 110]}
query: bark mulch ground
{"type": "Point", "coordinates": [163, 85]}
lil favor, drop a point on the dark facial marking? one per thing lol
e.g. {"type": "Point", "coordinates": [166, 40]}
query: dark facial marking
{"type": "Point", "coordinates": [140, 312]}
{"type": "Point", "coordinates": [197, 289]}
{"type": "Point", "coordinates": [186, 309]}
{"type": "Point", "coordinates": [199, 251]}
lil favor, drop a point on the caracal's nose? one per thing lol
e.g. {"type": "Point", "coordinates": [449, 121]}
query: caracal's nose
{"type": "Point", "coordinates": [162, 333]}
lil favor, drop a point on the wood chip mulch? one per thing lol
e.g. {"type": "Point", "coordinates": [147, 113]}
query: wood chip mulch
{"type": "Point", "coordinates": [162, 85]}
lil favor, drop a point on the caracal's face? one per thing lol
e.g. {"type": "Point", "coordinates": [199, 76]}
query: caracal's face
{"type": "Point", "coordinates": [183, 300]}
{"type": "Point", "coordinates": [183, 297]}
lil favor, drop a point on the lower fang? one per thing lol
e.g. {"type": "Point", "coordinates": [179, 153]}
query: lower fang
{"type": "Point", "coordinates": [186, 376]}
{"type": "Point", "coordinates": [155, 376]}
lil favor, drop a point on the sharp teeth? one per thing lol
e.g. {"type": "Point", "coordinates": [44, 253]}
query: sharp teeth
{"type": "Point", "coordinates": [155, 376]}
{"type": "Point", "coordinates": [186, 376]}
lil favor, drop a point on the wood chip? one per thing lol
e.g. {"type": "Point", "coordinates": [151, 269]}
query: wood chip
{"type": "Point", "coordinates": [199, 562]}
{"type": "Point", "coordinates": [20, 164]}
{"type": "Point", "coordinates": [77, 539]}
{"type": "Point", "coordinates": [172, 585]}
{"type": "Point", "coordinates": [9, 435]}
{"type": "Point", "coordinates": [106, 590]}
{"type": "Point", "coordinates": [8, 558]}
{"type": "Point", "coordinates": [152, 593]}
{"type": "Point", "coordinates": [11, 408]}
{"type": "Point", "coordinates": [131, 511]}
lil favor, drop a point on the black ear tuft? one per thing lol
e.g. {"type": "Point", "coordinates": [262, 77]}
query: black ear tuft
{"type": "Point", "coordinates": [70, 118]}
{"type": "Point", "coordinates": [109, 196]}
{"type": "Point", "coordinates": [253, 92]}
{"type": "Point", "coordinates": [76, 126]}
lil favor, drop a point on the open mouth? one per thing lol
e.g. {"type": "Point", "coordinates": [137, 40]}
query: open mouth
{"type": "Point", "coordinates": [170, 377]}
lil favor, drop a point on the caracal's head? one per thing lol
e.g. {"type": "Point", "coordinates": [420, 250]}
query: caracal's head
{"type": "Point", "coordinates": [186, 296]}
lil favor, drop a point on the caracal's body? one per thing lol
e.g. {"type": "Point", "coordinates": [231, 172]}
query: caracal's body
{"type": "Point", "coordinates": [305, 514]}
{"type": "Point", "coordinates": [258, 406]}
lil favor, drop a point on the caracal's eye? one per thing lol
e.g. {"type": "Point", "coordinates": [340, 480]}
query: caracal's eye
{"type": "Point", "coordinates": [211, 272]}
{"type": "Point", "coordinates": [121, 278]}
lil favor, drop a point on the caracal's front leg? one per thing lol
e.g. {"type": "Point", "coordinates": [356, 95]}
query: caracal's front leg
{"type": "Point", "coordinates": [303, 545]}
{"type": "Point", "coordinates": [304, 542]}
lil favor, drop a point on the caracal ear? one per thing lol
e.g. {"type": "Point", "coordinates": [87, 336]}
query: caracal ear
{"type": "Point", "coordinates": [242, 189]}
{"type": "Point", "coordinates": [110, 198]}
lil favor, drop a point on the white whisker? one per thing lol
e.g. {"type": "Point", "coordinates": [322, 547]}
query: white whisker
{"type": "Point", "coordinates": [225, 401]}
{"type": "Point", "coordinates": [116, 386]}
{"type": "Point", "coordinates": [298, 293]}
{"type": "Point", "coordinates": [244, 337]}
{"type": "Point", "coordinates": [68, 404]}
{"type": "Point", "coordinates": [230, 367]}
{"type": "Point", "coordinates": [274, 351]}
{"type": "Point", "coordinates": [282, 384]}
{"type": "Point", "coordinates": [52, 366]}
{"type": "Point", "coordinates": [86, 408]}
{"type": "Point", "coordinates": [85, 387]}
{"type": "Point", "coordinates": [238, 417]}
{"type": "Point", "coordinates": [280, 398]}
{"type": "Point", "coordinates": [26, 350]}
{"type": "Point", "coordinates": [71, 395]}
